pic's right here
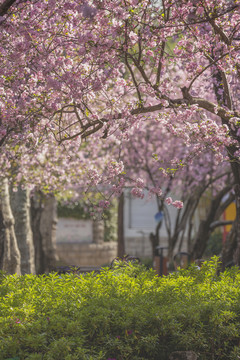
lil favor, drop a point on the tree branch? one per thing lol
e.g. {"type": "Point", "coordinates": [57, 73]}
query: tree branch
{"type": "Point", "coordinates": [207, 105]}
{"type": "Point", "coordinates": [5, 6]}
{"type": "Point", "coordinates": [216, 224]}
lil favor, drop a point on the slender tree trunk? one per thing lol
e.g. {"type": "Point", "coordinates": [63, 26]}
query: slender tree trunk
{"type": "Point", "coordinates": [121, 245]}
{"type": "Point", "coordinates": [20, 203]}
{"type": "Point", "coordinates": [36, 212]}
{"type": "Point", "coordinates": [10, 254]}
{"type": "Point", "coordinates": [44, 221]}
{"type": "Point", "coordinates": [155, 239]}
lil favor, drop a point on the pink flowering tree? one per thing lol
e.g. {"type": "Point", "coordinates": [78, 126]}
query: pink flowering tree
{"type": "Point", "coordinates": [69, 70]}
{"type": "Point", "coordinates": [161, 163]}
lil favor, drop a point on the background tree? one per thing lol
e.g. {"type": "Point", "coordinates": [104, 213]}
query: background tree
{"type": "Point", "coordinates": [69, 71]}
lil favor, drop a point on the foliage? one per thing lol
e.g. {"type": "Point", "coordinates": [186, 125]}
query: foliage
{"type": "Point", "coordinates": [122, 313]}
{"type": "Point", "coordinates": [73, 210]}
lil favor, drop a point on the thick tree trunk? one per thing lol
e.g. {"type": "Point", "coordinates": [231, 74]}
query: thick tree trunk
{"type": "Point", "coordinates": [229, 247]}
{"type": "Point", "coordinates": [236, 256]}
{"type": "Point", "coordinates": [236, 187]}
{"type": "Point", "coordinates": [48, 228]}
{"type": "Point", "coordinates": [44, 220]}
{"type": "Point", "coordinates": [225, 97]}
{"type": "Point", "coordinates": [10, 254]}
{"type": "Point", "coordinates": [20, 203]}
{"type": "Point", "coordinates": [205, 230]}
{"type": "Point", "coordinates": [121, 245]}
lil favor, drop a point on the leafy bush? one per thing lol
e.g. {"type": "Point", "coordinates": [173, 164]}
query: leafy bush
{"type": "Point", "coordinates": [122, 313]}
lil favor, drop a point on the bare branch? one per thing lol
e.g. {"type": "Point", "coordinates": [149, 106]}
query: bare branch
{"type": "Point", "coordinates": [216, 224]}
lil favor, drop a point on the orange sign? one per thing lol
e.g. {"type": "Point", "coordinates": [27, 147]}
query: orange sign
{"type": "Point", "coordinates": [229, 214]}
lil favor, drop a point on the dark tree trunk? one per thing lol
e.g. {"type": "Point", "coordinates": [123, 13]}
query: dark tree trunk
{"type": "Point", "coordinates": [229, 247]}
{"type": "Point", "coordinates": [236, 256]}
{"type": "Point", "coordinates": [5, 6]}
{"type": "Point", "coordinates": [224, 97]}
{"type": "Point", "coordinates": [36, 212]}
{"type": "Point", "coordinates": [155, 239]}
{"type": "Point", "coordinates": [121, 245]}
{"type": "Point", "coordinates": [205, 230]}
{"type": "Point", "coordinates": [44, 220]}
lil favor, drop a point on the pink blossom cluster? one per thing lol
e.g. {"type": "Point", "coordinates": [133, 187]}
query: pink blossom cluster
{"type": "Point", "coordinates": [155, 191]}
{"type": "Point", "coordinates": [136, 192]}
{"type": "Point", "coordinates": [104, 204]}
{"type": "Point", "coordinates": [177, 203]}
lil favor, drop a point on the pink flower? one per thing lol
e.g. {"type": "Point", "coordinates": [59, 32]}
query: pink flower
{"type": "Point", "coordinates": [178, 204]}
{"type": "Point", "coordinates": [150, 53]}
{"type": "Point", "coordinates": [169, 200]}
{"type": "Point", "coordinates": [140, 183]}
{"type": "Point", "coordinates": [156, 190]}
{"type": "Point", "coordinates": [133, 37]}
{"type": "Point", "coordinates": [137, 193]}
{"type": "Point", "coordinates": [104, 204]}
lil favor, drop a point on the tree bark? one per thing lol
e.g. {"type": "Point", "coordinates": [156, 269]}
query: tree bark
{"type": "Point", "coordinates": [226, 99]}
{"type": "Point", "coordinates": [44, 221]}
{"type": "Point", "coordinates": [236, 256]}
{"type": "Point", "coordinates": [205, 230]}
{"type": "Point", "coordinates": [10, 254]}
{"type": "Point", "coordinates": [20, 204]}
{"type": "Point", "coordinates": [121, 245]}
{"type": "Point", "coordinates": [5, 6]}
{"type": "Point", "coordinates": [229, 247]}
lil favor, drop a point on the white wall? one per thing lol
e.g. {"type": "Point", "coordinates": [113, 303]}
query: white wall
{"type": "Point", "coordinates": [139, 222]}
{"type": "Point", "coordinates": [71, 230]}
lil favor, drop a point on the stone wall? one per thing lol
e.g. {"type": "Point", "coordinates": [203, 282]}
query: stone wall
{"type": "Point", "coordinates": [83, 254]}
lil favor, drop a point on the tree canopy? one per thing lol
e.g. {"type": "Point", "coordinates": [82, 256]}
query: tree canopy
{"type": "Point", "coordinates": [78, 77]}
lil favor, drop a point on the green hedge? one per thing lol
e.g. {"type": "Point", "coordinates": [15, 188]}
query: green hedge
{"type": "Point", "coordinates": [125, 313]}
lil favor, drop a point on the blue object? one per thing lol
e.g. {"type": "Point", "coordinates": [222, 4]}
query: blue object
{"type": "Point", "coordinates": [159, 216]}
